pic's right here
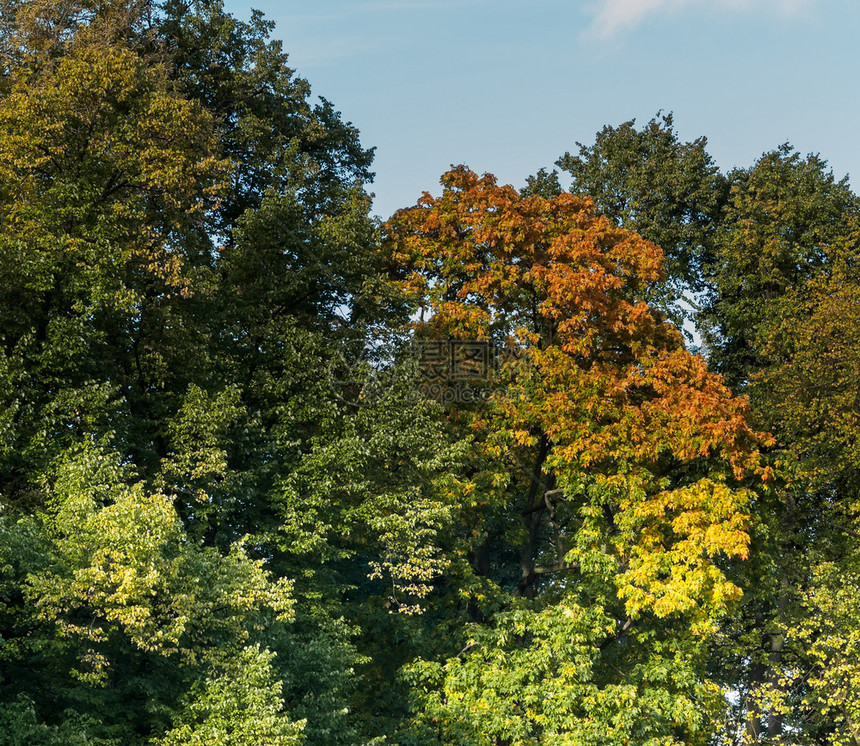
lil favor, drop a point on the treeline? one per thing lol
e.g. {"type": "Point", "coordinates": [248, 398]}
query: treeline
{"type": "Point", "coordinates": [570, 465]}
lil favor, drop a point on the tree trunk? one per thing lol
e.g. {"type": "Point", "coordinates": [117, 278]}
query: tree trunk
{"type": "Point", "coordinates": [777, 643]}
{"type": "Point", "coordinates": [533, 514]}
{"type": "Point", "coordinates": [753, 709]}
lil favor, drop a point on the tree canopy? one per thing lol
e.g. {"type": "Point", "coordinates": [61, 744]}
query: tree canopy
{"type": "Point", "coordinates": [275, 472]}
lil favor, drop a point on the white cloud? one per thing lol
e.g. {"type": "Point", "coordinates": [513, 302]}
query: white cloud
{"type": "Point", "coordinates": [614, 16]}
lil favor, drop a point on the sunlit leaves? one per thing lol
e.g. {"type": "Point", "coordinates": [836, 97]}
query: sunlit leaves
{"type": "Point", "coordinates": [673, 536]}
{"type": "Point", "coordinates": [123, 563]}
{"type": "Point", "coordinates": [237, 705]}
{"type": "Point", "coordinates": [548, 677]}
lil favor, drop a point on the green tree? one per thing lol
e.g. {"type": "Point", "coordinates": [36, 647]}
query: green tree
{"type": "Point", "coordinates": [191, 481]}
{"type": "Point", "coordinates": [240, 706]}
{"type": "Point", "coordinates": [105, 174]}
{"type": "Point", "coordinates": [666, 190]}
{"type": "Point", "coordinates": [778, 326]}
{"type": "Point", "coordinates": [783, 221]}
{"type": "Point", "coordinates": [776, 260]}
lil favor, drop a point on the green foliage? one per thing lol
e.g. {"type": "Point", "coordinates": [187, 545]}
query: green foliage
{"type": "Point", "coordinates": [779, 325]}
{"type": "Point", "coordinates": [787, 218]}
{"type": "Point", "coordinates": [20, 726]}
{"type": "Point", "coordinates": [551, 676]}
{"type": "Point", "coordinates": [239, 705]}
{"type": "Point", "coordinates": [649, 181]}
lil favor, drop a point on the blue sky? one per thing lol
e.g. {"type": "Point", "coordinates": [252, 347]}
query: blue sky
{"type": "Point", "coordinates": [508, 86]}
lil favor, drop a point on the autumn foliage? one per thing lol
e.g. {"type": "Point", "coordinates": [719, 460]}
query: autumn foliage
{"type": "Point", "coordinates": [603, 387]}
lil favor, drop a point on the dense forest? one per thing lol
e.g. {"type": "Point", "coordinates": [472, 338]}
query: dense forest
{"type": "Point", "coordinates": [574, 464]}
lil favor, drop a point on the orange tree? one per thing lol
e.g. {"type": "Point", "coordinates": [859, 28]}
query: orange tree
{"type": "Point", "coordinates": [609, 487]}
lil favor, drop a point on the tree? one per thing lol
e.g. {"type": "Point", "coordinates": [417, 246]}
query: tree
{"type": "Point", "coordinates": [783, 220]}
{"type": "Point", "coordinates": [776, 265]}
{"type": "Point", "coordinates": [106, 173]}
{"type": "Point", "coordinates": [779, 328]}
{"type": "Point", "coordinates": [608, 465]}
{"type": "Point", "coordinates": [116, 608]}
{"type": "Point", "coordinates": [238, 707]}
{"type": "Point", "coordinates": [185, 256]}
{"type": "Point", "coordinates": [668, 191]}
